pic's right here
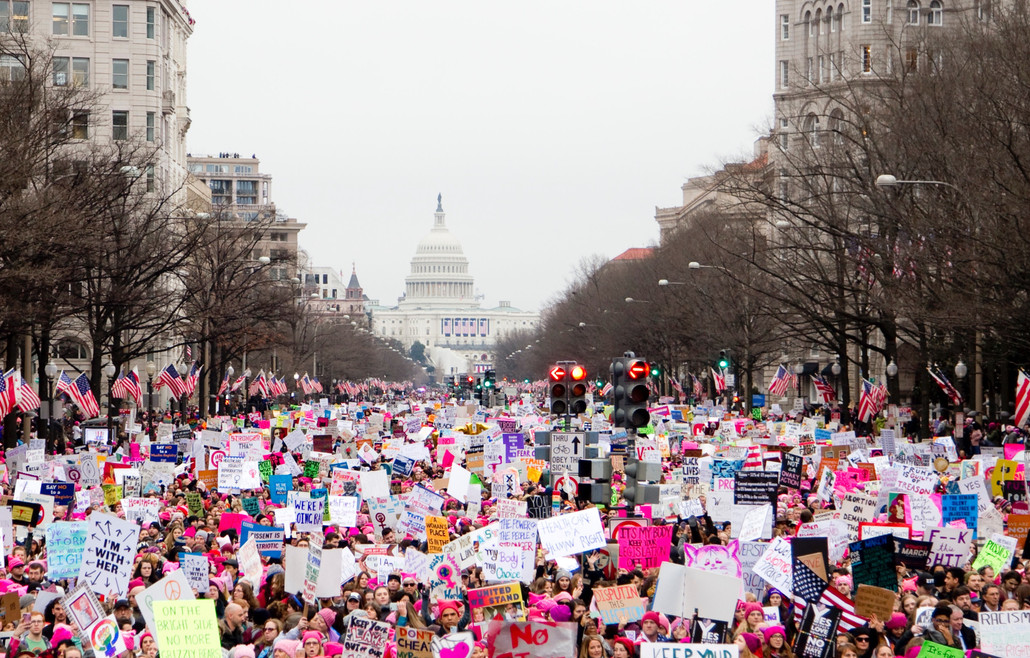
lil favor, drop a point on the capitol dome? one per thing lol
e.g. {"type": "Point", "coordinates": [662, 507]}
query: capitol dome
{"type": "Point", "coordinates": [439, 270]}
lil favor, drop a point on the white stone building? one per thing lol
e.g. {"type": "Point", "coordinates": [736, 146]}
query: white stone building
{"type": "Point", "coordinates": [441, 309]}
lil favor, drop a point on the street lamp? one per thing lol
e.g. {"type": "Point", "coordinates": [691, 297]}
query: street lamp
{"type": "Point", "coordinates": [666, 282]}
{"type": "Point", "coordinates": [694, 265]}
{"type": "Point", "coordinates": [109, 370]}
{"type": "Point", "coordinates": [151, 371]}
{"type": "Point", "coordinates": [889, 180]}
{"type": "Point", "coordinates": [630, 300]}
{"type": "Point", "coordinates": [961, 370]}
{"type": "Point", "coordinates": [182, 368]}
{"type": "Point", "coordinates": [51, 372]}
{"type": "Point", "coordinates": [228, 393]}
{"type": "Point", "coordinates": [892, 369]}
{"type": "Point", "coordinates": [799, 369]}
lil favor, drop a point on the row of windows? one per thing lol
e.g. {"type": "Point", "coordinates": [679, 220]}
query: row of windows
{"type": "Point", "coordinates": [71, 19]}
{"type": "Point", "coordinates": [833, 22]}
{"type": "Point", "coordinates": [119, 125]}
{"type": "Point", "coordinates": [75, 71]}
{"type": "Point", "coordinates": [425, 269]}
{"type": "Point", "coordinates": [823, 69]}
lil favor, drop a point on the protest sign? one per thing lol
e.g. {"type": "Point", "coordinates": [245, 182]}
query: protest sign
{"type": "Point", "coordinates": [877, 601]}
{"type": "Point", "coordinates": [107, 558]}
{"type": "Point", "coordinates": [268, 539]}
{"type": "Point", "coordinates": [755, 487]}
{"type": "Point", "coordinates": [682, 590]}
{"type": "Point", "coordinates": [775, 565]}
{"type": "Point", "coordinates": [250, 563]}
{"type": "Point", "coordinates": [995, 555]}
{"type": "Point", "coordinates": [529, 638]}
{"type": "Point", "coordinates": [872, 562]}
{"type": "Point", "coordinates": [645, 547]}
{"type": "Point", "coordinates": [817, 633]}
{"type": "Point", "coordinates": [414, 642]}
{"type": "Point", "coordinates": [671, 650]}
{"type": "Point", "coordinates": [309, 514]}
{"type": "Point", "coordinates": [106, 637]}
{"type": "Point", "coordinates": [516, 549]}
{"type": "Point", "coordinates": [173, 587]}
{"type": "Point", "coordinates": [1005, 633]}
{"type": "Point", "coordinates": [365, 637]}
{"type": "Point", "coordinates": [313, 566]}
{"type": "Point", "coordinates": [569, 534]}
{"type": "Point", "coordinates": [620, 604]}
{"type": "Point", "coordinates": [65, 543]}
{"type": "Point", "coordinates": [748, 553]}
{"type": "Point", "coordinates": [949, 546]}
{"type": "Point", "coordinates": [791, 470]}
{"type": "Point", "coordinates": [915, 479]}
{"type": "Point", "coordinates": [912, 553]}
{"type": "Point", "coordinates": [855, 508]}
{"type": "Point", "coordinates": [436, 533]}
{"type": "Point", "coordinates": [962, 507]}
{"type": "Point", "coordinates": [187, 629]}
{"type": "Point", "coordinates": [444, 578]}
{"type": "Point", "coordinates": [503, 601]}
{"type": "Point", "coordinates": [933, 650]}
{"type": "Point", "coordinates": [196, 569]}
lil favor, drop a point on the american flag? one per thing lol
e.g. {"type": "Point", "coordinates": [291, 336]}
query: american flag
{"type": "Point", "coordinates": [824, 388]}
{"type": "Point", "coordinates": [259, 385]}
{"type": "Point", "coordinates": [128, 385]}
{"type": "Point", "coordinates": [316, 385]}
{"type": "Point", "coordinates": [946, 386]}
{"type": "Point", "coordinates": [719, 380]}
{"type": "Point", "coordinates": [80, 393]}
{"type": "Point", "coordinates": [170, 377]}
{"type": "Point", "coordinates": [849, 620]}
{"type": "Point", "coordinates": [305, 384]}
{"type": "Point", "coordinates": [780, 382]}
{"type": "Point", "coordinates": [699, 388]}
{"type": "Point", "coordinates": [193, 378]}
{"type": "Point", "coordinates": [239, 380]}
{"type": "Point", "coordinates": [24, 396]}
{"type": "Point", "coordinates": [280, 386]}
{"type": "Point", "coordinates": [1022, 399]}
{"type": "Point", "coordinates": [606, 389]}
{"type": "Point", "coordinates": [867, 406]}
{"type": "Point", "coordinates": [6, 393]}
{"type": "Point", "coordinates": [224, 386]}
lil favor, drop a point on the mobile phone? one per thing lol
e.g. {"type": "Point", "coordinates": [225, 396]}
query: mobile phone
{"type": "Point", "coordinates": [26, 617]}
{"type": "Point", "coordinates": [393, 607]}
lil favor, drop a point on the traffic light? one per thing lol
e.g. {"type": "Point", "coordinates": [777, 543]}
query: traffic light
{"type": "Point", "coordinates": [558, 389]}
{"type": "Point", "coordinates": [577, 390]}
{"type": "Point", "coordinates": [629, 379]}
{"type": "Point", "coordinates": [636, 493]}
{"type": "Point", "coordinates": [724, 361]}
{"type": "Point", "coordinates": [489, 380]}
{"type": "Point", "coordinates": [656, 371]}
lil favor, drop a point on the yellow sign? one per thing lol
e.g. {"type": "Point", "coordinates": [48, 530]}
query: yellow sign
{"type": "Point", "coordinates": [436, 533]}
{"type": "Point", "coordinates": [112, 494]}
{"type": "Point", "coordinates": [187, 629]}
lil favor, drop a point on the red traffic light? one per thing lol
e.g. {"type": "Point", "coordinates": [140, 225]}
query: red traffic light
{"type": "Point", "coordinates": [470, 380]}
{"type": "Point", "coordinates": [638, 369]}
{"type": "Point", "coordinates": [557, 373]}
{"type": "Point", "coordinates": [578, 373]}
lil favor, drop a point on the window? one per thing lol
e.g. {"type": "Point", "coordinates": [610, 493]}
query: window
{"type": "Point", "coordinates": [14, 16]}
{"type": "Point", "coordinates": [830, 19]}
{"type": "Point", "coordinates": [784, 134]}
{"type": "Point", "coordinates": [80, 124]}
{"type": "Point", "coordinates": [983, 10]}
{"type": "Point", "coordinates": [151, 178]}
{"type": "Point", "coordinates": [79, 75]}
{"type": "Point", "coordinates": [840, 64]}
{"type": "Point", "coordinates": [11, 68]}
{"type": "Point", "coordinates": [784, 73]}
{"type": "Point", "coordinates": [837, 126]}
{"type": "Point", "coordinates": [221, 191]}
{"type": "Point", "coordinates": [784, 27]}
{"type": "Point", "coordinates": [911, 60]}
{"type": "Point", "coordinates": [120, 21]}
{"type": "Point", "coordinates": [812, 129]}
{"type": "Point", "coordinates": [151, 72]}
{"type": "Point", "coordinates": [243, 169]}
{"type": "Point", "coordinates": [246, 193]}
{"type": "Point", "coordinates": [151, 21]}
{"type": "Point", "coordinates": [840, 16]}
{"type": "Point", "coordinates": [80, 71]}
{"type": "Point", "coordinates": [71, 18]}
{"type": "Point", "coordinates": [936, 15]}
{"type": "Point", "coordinates": [808, 70]}
{"type": "Point", "coordinates": [819, 20]}
{"type": "Point", "coordinates": [822, 68]}
{"type": "Point", "coordinates": [151, 123]}
{"type": "Point", "coordinates": [808, 23]}
{"type": "Point", "coordinates": [867, 11]}
{"type": "Point", "coordinates": [867, 59]}
{"type": "Point", "coordinates": [120, 73]}
{"type": "Point", "coordinates": [784, 185]}
{"type": "Point", "coordinates": [119, 125]}
{"type": "Point", "coordinates": [890, 11]}
{"type": "Point", "coordinates": [913, 12]}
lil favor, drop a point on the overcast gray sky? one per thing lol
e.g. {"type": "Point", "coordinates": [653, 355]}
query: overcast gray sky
{"type": "Point", "coordinates": [552, 129]}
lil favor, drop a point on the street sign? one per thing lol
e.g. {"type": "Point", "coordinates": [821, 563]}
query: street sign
{"type": "Point", "coordinates": [567, 448]}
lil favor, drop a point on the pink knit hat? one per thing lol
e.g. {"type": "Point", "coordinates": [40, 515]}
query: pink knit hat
{"type": "Point", "coordinates": [328, 616]}
{"type": "Point", "coordinates": [287, 646]}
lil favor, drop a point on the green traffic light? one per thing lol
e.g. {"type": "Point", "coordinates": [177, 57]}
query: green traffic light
{"type": "Point", "coordinates": [724, 363]}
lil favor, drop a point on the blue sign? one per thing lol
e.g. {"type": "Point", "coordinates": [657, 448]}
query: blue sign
{"type": "Point", "coordinates": [279, 485]}
{"type": "Point", "coordinates": [63, 492]}
{"type": "Point", "coordinates": [164, 452]}
{"type": "Point", "coordinates": [757, 400]}
{"type": "Point", "coordinates": [963, 507]}
{"type": "Point", "coordinates": [512, 441]}
{"type": "Point", "coordinates": [402, 465]}
{"type": "Point", "coordinates": [269, 539]}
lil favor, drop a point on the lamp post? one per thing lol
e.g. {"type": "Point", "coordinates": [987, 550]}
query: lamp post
{"type": "Point", "coordinates": [836, 369]}
{"type": "Point", "coordinates": [296, 383]}
{"type": "Point", "coordinates": [799, 369]}
{"type": "Point", "coordinates": [151, 371]}
{"type": "Point", "coordinates": [109, 370]}
{"type": "Point", "coordinates": [228, 394]}
{"type": "Point", "coordinates": [182, 398]}
{"type": "Point", "coordinates": [51, 371]}
{"type": "Point", "coordinates": [888, 181]}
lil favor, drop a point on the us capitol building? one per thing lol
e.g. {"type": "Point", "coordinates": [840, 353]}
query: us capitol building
{"type": "Point", "coordinates": [441, 310]}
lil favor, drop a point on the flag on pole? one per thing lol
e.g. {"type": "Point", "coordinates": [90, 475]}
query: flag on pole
{"type": "Point", "coordinates": [780, 382]}
{"type": "Point", "coordinates": [224, 386]}
{"type": "Point", "coordinates": [316, 385]}
{"type": "Point", "coordinates": [239, 380]}
{"type": "Point", "coordinates": [170, 377]}
{"type": "Point", "coordinates": [1022, 400]}
{"type": "Point", "coordinates": [24, 395]}
{"type": "Point", "coordinates": [849, 619]}
{"type": "Point", "coordinates": [867, 402]}
{"type": "Point", "coordinates": [824, 388]}
{"type": "Point", "coordinates": [305, 384]}
{"type": "Point", "coordinates": [6, 393]}
{"type": "Point", "coordinates": [945, 385]}
{"type": "Point", "coordinates": [719, 380]}
{"type": "Point", "coordinates": [193, 378]}
{"type": "Point", "coordinates": [133, 386]}
{"type": "Point", "coordinates": [259, 385]}
{"type": "Point", "coordinates": [79, 391]}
